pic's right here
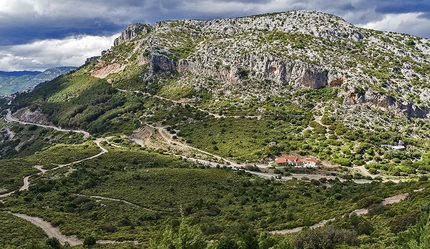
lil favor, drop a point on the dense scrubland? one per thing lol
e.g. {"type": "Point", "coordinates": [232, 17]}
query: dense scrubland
{"type": "Point", "coordinates": [136, 182]}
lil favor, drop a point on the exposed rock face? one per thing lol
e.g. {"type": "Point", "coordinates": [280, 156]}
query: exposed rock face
{"type": "Point", "coordinates": [377, 99]}
{"type": "Point", "coordinates": [259, 56]}
{"type": "Point", "coordinates": [386, 102]}
{"type": "Point", "coordinates": [131, 32]}
{"type": "Point", "coordinates": [161, 63]}
{"type": "Point", "coordinates": [103, 72]}
{"type": "Point", "coordinates": [27, 115]}
{"type": "Point", "coordinates": [259, 68]}
{"type": "Point", "coordinates": [313, 79]}
{"type": "Point", "coordinates": [337, 82]}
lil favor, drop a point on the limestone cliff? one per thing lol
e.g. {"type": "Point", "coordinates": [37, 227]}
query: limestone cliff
{"type": "Point", "coordinates": [131, 32]}
{"type": "Point", "coordinates": [266, 55]}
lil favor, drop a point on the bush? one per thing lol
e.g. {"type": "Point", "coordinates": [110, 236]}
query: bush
{"type": "Point", "coordinates": [402, 222]}
{"type": "Point", "coordinates": [424, 178]}
{"type": "Point", "coordinates": [53, 243]}
{"type": "Point", "coordinates": [89, 241]}
{"type": "Point", "coordinates": [227, 243]}
{"type": "Point", "coordinates": [325, 238]}
{"type": "Point", "coordinates": [366, 202]}
{"type": "Point", "coordinates": [108, 228]}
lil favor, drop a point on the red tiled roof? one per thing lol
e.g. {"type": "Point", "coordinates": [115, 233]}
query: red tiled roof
{"type": "Point", "coordinates": [291, 158]}
{"type": "Point", "coordinates": [280, 160]}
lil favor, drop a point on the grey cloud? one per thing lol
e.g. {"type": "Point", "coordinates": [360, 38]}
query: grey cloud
{"type": "Point", "coordinates": [27, 22]}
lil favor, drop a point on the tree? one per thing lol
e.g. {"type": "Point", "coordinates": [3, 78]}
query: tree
{"type": "Point", "coordinates": [227, 243]}
{"type": "Point", "coordinates": [416, 236]}
{"type": "Point", "coordinates": [249, 241]}
{"type": "Point", "coordinates": [186, 237]}
{"type": "Point", "coordinates": [265, 241]}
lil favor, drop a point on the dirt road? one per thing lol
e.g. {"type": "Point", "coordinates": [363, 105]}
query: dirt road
{"type": "Point", "coordinates": [10, 118]}
{"type": "Point", "coordinates": [51, 231]}
{"type": "Point", "coordinates": [361, 211]}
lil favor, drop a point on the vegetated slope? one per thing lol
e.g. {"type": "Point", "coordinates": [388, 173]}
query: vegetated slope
{"type": "Point", "coordinates": [320, 86]}
{"type": "Point", "coordinates": [238, 63]}
{"type": "Point", "coordinates": [238, 104]}
{"type": "Point", "coordinates": [11, 82]}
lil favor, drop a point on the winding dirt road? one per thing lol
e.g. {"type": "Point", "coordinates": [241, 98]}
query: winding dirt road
{"type": "Point", "coordinates": [361, 211]}
{"type": "Point", "coordinates": [118, 200]}
{"type": "Point", "coordinates": [10, 118]}
{"type": "Point", "coordinates": [26, 179]}
{"type": "Point", "coordinates": [52, 232]}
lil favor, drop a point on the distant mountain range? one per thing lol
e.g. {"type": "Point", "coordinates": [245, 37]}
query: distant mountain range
{"type": "Point", "coordinates": [11, 82]}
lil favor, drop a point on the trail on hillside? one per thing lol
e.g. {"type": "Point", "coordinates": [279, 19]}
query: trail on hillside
{"type": "Point", "coordinates": [54, 232]}
{"type": "Point", "coordinates": [117, 200]}
{"type": "Point", "coordinates": [361, 211]}
{"type": "Point", "coordinates": [26, 179]}
{"type": "Point", "coordinates": [10, 118]}
{"type": "Point", "coordinates": [50, 230]}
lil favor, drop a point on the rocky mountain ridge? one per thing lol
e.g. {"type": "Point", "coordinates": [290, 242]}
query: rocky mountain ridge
{"type": "Point", "coordinates": [271, 55]}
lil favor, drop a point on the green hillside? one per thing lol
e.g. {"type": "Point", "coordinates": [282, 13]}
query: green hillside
{"type": "Point", "coordinates": [185, 121]}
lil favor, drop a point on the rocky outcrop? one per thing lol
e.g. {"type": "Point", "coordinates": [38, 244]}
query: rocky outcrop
{"type": "Point", "coordinates": [314, 79]}
{"type": "Point", "coordinates": [385, 102]}
{"type": "Point", "coordinates": [26, 115]}
{"type": "Point", "coordinates": [251, 67]}
{"type": "Point", "coordinates": [377, 99]}
{"type": "Point", "coordinates": [131, 32]}
{"type": "Point", "coordinates": [162, 63]}
{"type": "Point", "coordinates": [336, 81]}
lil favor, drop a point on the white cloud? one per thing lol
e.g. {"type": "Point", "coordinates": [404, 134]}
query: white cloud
{"type": "Point", "coordinates": [410, 23]}
{"type": "Point", "coordinates": [24, 21]}
{"type": "Point", "coordinates": [40, 55]}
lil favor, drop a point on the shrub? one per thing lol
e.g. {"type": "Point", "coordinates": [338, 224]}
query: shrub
{"type": "Point", "coordinates": [424, 178]}
{"type": "Point", "coordinates": [89, 241]}
{"type": "Point", "coordinates": [324, 238]}
{"type": "Point", "coordinates": [53, 243]}
{"type": "Point", "coordinates": [402, 222]}
{"type": "Point", "coordinates": [366, 202]}
{"type": "Point", "coordinates": [108, 228]}
{"type": "Point", "coordinates": [227, 243]}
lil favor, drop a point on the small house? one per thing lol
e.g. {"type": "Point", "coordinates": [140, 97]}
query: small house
{"type": "Point", "coordinates": [280, 160]}
{"type": "Point", "coordinates": [307, 163]}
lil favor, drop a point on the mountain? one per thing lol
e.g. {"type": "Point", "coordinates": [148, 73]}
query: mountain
{"type": "Point", "coordinates": [257, 57]}
{"type": "Point", "coordinates": [318, 74]}
{"type": "Point", "coordinates": [19, 73]}
{"type": "Point", "coordinates": [11, 82]}
{"type": "Point", "coordinates": [227, 133]}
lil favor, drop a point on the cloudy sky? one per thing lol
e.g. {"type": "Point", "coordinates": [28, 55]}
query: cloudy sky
{"type": "Point", "coordinates": [41, 34]}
